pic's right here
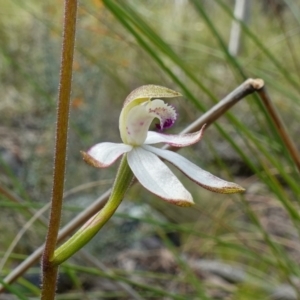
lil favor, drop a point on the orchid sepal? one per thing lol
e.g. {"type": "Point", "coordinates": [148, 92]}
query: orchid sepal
{"type": "Point", "coordinates": [198, 175]}
{"type": "Point", "coordinates": [103, 155]}
{"type": "Point", "coordinates": [156, 177]}
{"type": "Point", "coordinates": [150, 91]}
{"type": "Point", "coordinates": [175, 140]}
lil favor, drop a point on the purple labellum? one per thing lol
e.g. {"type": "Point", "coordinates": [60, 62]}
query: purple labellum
{"type": "Point", "coordinates": [168, 116]}
{"type": "Point", "coordinates": [167, 124]}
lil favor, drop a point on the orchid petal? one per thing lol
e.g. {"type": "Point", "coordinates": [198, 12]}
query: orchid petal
{"type": "Point", "coordinates": [141, 116]}
{"type": "Point", "coordinates": [175, 140]}
{"type": "Point", "coordinates": [201, 177]}
{"type": "Point", "coordinates": [138, 96]}
{"type": "Point", "coordinates": [105, 154]}
{"type": "Point", "coordinates": [156, 177]}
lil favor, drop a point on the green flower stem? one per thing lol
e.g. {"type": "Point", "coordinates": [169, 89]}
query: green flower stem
{"type": "Point", "coordinates": [90, 228]}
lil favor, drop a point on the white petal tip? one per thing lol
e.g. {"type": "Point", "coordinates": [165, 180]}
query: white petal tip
{"type": "Point", "coordinates": [181, 203]}
{"type": "Point", "coordinates": [91, 161]}
{"type": "Point", "coordinates": [228, 188]}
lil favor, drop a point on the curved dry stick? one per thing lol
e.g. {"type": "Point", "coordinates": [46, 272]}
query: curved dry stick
{"type": "Point", "coordinates": [248, 87]}
{"type": "Point", "coordinates": [291, 147]}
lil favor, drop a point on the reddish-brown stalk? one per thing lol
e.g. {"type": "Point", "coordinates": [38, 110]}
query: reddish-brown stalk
{"type": "Point", "coordinates": [49, 272]}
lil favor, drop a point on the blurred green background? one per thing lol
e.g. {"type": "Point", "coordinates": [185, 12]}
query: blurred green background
{"type": "Point", "coordinates": [227, 246]}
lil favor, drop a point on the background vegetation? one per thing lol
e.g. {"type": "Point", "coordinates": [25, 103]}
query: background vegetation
{"type": "Point", "coordinates": [226, 247]}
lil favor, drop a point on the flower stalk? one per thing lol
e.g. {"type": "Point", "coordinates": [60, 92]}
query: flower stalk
{"type": "Point", "coordinates": [91, 227]}
{"type": "Point", "coordinates": [49, 272]}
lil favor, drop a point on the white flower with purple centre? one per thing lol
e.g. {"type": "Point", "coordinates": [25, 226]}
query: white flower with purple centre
{"type": "Point", "coordinates": [138, 112]}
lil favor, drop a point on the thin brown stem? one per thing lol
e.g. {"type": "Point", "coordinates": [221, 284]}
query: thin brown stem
{"type": "Point", "coordinates": [49, 272]}
{"type": "Point", "coordinates": [246, 88]}
{"type": "Point", "coordinates": [292, 149]}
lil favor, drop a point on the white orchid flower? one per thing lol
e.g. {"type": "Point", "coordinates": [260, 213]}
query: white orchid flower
{"type": "Point", "coordinates": [138, 112]}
